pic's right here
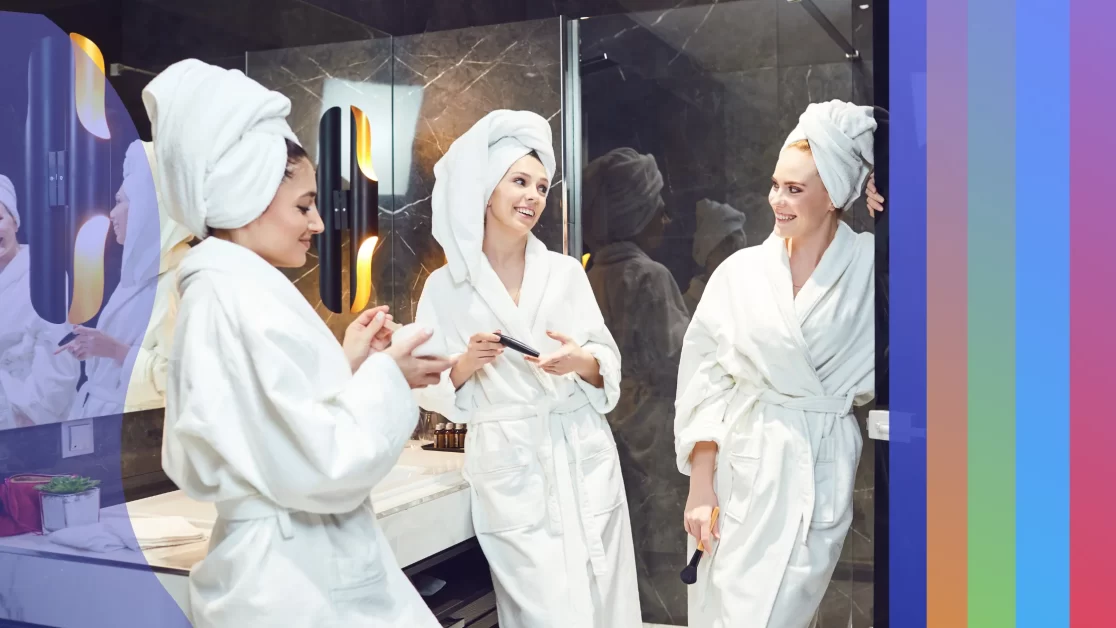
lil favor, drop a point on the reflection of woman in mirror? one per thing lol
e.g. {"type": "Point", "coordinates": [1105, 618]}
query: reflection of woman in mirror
{"type": "Point", "coordinates": [548, 500]}
{"type": "Point", "coordinates": [126, 354]}
{"type": "Point", "coordinates": [643, 308]}
{"type": "Point", "coordinates": [36, 386]}
{"type": "Point", "coordinates": [719, 234]}
{"type": "Point", "coordinates": [782, 346]}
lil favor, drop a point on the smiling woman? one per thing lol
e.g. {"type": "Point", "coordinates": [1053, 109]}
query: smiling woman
{"type": "Point", "coordinates": [549, 506]}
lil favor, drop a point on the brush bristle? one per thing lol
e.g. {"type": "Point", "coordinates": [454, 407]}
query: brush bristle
{"type": "Point", "coordinates": [689, 574]}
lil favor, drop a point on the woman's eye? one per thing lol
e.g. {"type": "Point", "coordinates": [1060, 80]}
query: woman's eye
{"type": "Point", "coordinates": [304, 210]}
{"type": "Point", "coordinates": [543, 190]}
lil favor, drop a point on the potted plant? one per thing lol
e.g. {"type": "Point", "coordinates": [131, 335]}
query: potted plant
{"type": "Point", "coordinates": [69, 501]}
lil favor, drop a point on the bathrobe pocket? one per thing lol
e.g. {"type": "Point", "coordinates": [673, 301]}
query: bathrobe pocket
{"type": "Point", "coordinates": [739, 484]}
{"type": "Point", "coordinates": [359, 583]}
{"type": "Point", "coordinates": [601, 476]}
{"type": "Point", "coordinates": [825, 483]}
{"type": "Point", "coordinates": [508, 490]}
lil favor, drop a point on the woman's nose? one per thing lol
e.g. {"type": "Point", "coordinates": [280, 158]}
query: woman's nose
{"type": "Point", "coordinates": [316, 225]}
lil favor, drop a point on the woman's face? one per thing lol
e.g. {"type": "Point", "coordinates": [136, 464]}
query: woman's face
{"type": "Point", "coordinates": [520, 198]}
{"type": "Point", "coordinates": [282, 234]}
{"type": "Point", "coordinates": [9, 246]}
{"type": "Point", "coordinates": [798, 196]}
{"type": "Point", "coordinates": [119, 216]}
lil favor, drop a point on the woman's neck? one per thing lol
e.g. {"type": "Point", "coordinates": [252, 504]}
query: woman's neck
{"type": "Point", "coordinates": [809, 248]}
{"type": "Point", "coordinates": [504, 249]}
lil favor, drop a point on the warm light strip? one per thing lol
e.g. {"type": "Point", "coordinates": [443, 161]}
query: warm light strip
{"type": "Point", "coordinates": [89, 270]}
{"type": "Point", "coordinates": [364, 144]}
{"type": "Point", "coordinates": [364, 275]}
{"type": "Point", "coordinates": [585, 260]}
{"type": "Point", "coordinates": [89, 86]}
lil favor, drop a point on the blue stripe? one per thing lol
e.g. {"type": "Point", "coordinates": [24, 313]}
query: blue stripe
{"type": "Point", "coordinates": [1042, 314]}
{"type": "Point", "coordinates": [907, 520]}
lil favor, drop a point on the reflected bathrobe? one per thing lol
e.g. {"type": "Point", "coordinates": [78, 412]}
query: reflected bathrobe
{"type": "Point", "coordinates": [36, 386]}
{"type": "Point", "coordinates": [548, 497]}
{"type": "Point", "coordinates": [771, 379]}
{"type": "Point", "coordinates": [643, 309]}
{"type": "Point", "coordinates": [266, 418]}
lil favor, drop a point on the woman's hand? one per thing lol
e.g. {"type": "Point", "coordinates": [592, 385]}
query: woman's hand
{"type": "Point", "coordinates": [419, 372]}
{"type": "Point", "coordinates": [91, 343]}
{"type": "Point", "coordinates": [699, 515]}
{"type": "Point", "coordinates": [483, 349]}
{"type": "Point", "coordinates": [875, 200]}
{"type": "Point", "coordinates": [570, 358]}
{"type": "Point", "coordinates": [366, 334]}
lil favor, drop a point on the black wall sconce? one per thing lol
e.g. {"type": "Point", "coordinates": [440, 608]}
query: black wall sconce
{"type": "Point", "coordinates": [355, 210]}
{"type": "Point", "coordinates": [68, 195]}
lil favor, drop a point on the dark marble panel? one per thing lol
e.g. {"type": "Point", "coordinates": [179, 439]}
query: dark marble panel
{"type": "Point", "coordinates": [803, 41]}
{"type": "Point", "coordinates": [754, 137]}
{"type": "Point", "coordinates": [157, 32]}
{"type": "Point", "coordinates": [718, 36]}
{"type": "Point", "coordinates": [862, 25]}
{"type": "Point", "coordinates": [316, 78]}
{"type": "Point", "coordinates": [452, 79]}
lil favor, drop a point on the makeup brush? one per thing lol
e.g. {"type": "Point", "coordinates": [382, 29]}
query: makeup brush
{"type": "Point", "coordinates": [689, 574]}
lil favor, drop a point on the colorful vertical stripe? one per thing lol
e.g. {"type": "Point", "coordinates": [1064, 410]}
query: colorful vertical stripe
{"type": "Point", "coordinates": [1007, 355]}
{"type": "Point", "coordinates": [1092, 311]}
{"type": "Point", "coordinates": [1042, 307]}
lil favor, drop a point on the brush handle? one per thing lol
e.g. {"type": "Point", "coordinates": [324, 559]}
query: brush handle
{"type": "Point", "coordinates": [695, 559]}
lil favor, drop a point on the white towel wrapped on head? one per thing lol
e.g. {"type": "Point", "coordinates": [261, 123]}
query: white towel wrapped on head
{"type": "Point", "coordinates": [9, 198]}
{"type": "Point", "coordinates": [219, 143]}
{"type": "Point", "coordinates": [841, 140]}
{"type": "Point", "coordinates": [469, 172]}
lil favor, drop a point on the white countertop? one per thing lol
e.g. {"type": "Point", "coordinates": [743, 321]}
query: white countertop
{"type": "Point", "coordinates": [418, 478]}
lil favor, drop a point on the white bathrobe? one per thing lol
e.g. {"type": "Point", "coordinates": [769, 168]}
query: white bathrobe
{"type": "Point", "coordinates": [771, 378]}
{"type": "Point", "coordinates": [266, 419]}
{"type": "Point", "coordinates": [548, 497]}
{"type": "Point", "coordinates": [35, 384]}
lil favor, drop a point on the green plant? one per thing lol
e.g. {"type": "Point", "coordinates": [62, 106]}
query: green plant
{"type": "Point", "coordinates": [68, 485]}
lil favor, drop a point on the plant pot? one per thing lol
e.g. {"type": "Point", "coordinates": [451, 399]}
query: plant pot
{"type": "Point", "coordinates": [70, 510]}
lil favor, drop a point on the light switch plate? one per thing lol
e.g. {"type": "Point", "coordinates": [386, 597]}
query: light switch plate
{"type": "Point", "coordinates": [879, 425]}
{"type": "Point", "coordinates": [77, 438]}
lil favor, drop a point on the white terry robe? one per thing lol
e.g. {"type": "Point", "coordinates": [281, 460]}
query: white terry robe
{"type": "Point", "coordinates": [266, 418]}
{"type": "Point", "coordinates": [35, 384]}
{"type": "Point", "coordinates": [140, 312]}
{"type": "Point", "coordinates": [548, 498]}
{"type": "Point", "coordinates": [771, 379]}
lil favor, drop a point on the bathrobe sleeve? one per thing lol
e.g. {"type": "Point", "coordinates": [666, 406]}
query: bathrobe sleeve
{"type": "Point", "coordinates": [147, 379]}
{"type": "Point", "coordinates": [46, 394]}
{"type": "Point", "coordinates": [265, 407]}
{"type": "Point", "coordinates": [442, 398]}
{"type": "Point", "coordinates": [705, 387]}
{"type": "Point", "coordinates": [594, 337]}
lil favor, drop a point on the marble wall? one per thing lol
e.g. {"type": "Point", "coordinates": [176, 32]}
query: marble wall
{"type": "Point", "coordinates": [711, 90]}
{"type": "Point", "coordinates": [421, 92]}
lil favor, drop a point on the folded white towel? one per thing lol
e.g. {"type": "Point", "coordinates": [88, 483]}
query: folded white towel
{"type": "Point", "coordinates": [95, 537]}
{"type": "Point", "coordinates": [842, 142]}
{"type": "Point", "coordinates": [139, 533]}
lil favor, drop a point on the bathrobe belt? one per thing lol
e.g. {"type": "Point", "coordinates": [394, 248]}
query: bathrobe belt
{"type": "Point", "coordinates": [255, 507]}
{"type": "Point", "coordinates": [838, 406]}
{"type": "Point", "coordinates": [544, 449]}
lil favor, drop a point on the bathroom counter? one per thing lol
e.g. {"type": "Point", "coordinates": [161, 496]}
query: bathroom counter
{"type": "Point", "coordinates": [422, 507]}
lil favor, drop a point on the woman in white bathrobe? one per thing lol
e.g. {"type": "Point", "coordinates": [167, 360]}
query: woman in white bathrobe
{"type": "Point", "coordinates": [36, 386]}
{"type": "Point", "coordinates": [782, 346]}
{"type": "Point", "coordinates": [548, 499]}
{"type": "Point", "coordinates": [126, 354]}
{"type": "Point", "coordinates": [267, 416]}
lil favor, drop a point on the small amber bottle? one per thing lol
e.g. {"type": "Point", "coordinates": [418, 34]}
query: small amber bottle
{"type": "Point", "coordinates": [458, 435]}
{"type": "Point", "coordinates": [440, 436]}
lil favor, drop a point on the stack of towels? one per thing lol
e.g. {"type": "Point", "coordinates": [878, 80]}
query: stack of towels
{"type": "Point", "coordinates": [136, 533]}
